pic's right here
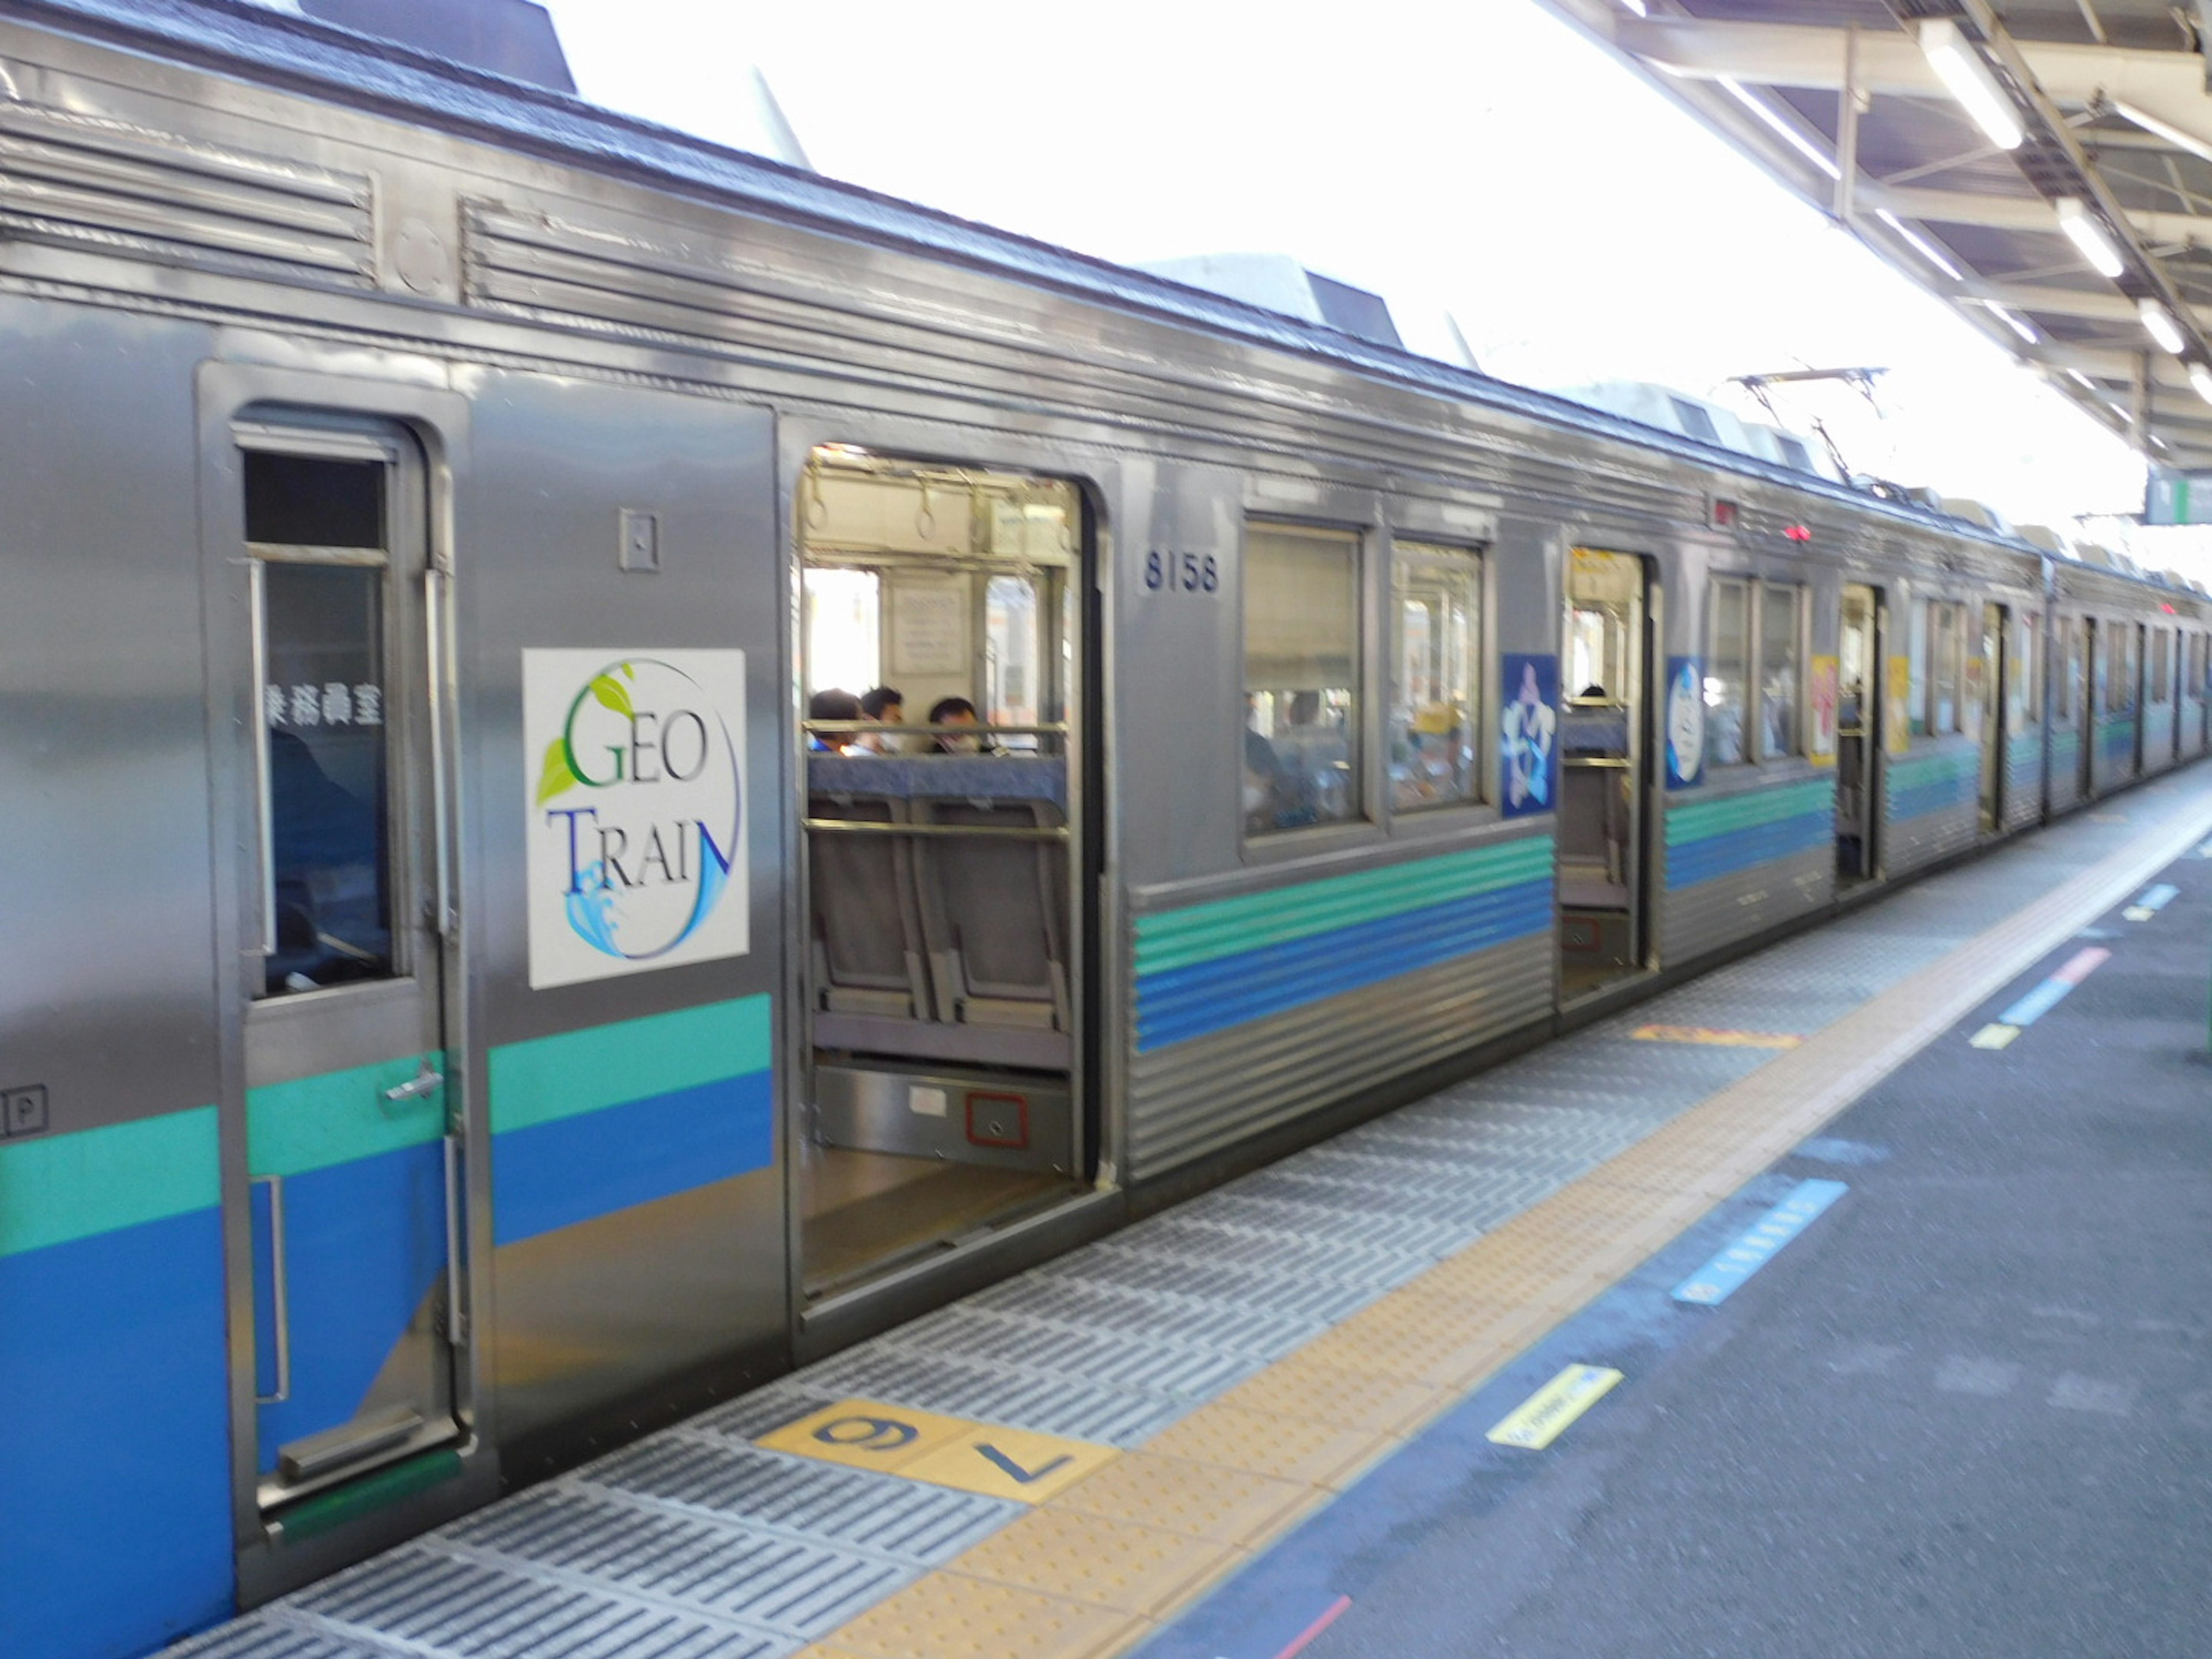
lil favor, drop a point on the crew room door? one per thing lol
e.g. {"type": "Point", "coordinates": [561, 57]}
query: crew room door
{"type": "Point", "coordinates": [1601, 834]}
{"type": "Point", "coordinates": [1858, 735]}
{"type": "Point", "coordinates": [352, 1159]}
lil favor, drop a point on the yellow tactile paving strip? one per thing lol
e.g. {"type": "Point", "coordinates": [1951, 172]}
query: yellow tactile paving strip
{"type": "Point", "coordinates": [1099, 1565]}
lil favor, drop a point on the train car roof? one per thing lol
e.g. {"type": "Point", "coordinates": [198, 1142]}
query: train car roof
{"type": "Point", "coordinates": [238, 38]}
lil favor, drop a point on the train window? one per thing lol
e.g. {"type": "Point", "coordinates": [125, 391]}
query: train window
{"type": "Point", "coordinates": [1781, 629]}
{"type": "Point", "coordinates": [2070, 635]}
{"type": "Point", "coordinates": [2120, 676]}
{"type": "Point", "coordinates": [1436, 655]}
{"type": "Point", "coordinates": [1915, 652]}
{"type": "Point", "coordinates": [2162, 642]}
{"type": "Point", "coordinates": [1943, 626]}
{"type": "Point", "coordinates": [302, 501]}
{"type": "Point", "coordinates": [2023, 680]}
{"type": "Point", "coordinates": [1727, 672]}
{"type": "Point", "coordinates": [844, 629]}
{"type": "Point", "coordinates": [325, 772]}
{"type": "Point", "coordinates": [1013, 653]}
{"type": "Point", "coordinates": [1301, 671]}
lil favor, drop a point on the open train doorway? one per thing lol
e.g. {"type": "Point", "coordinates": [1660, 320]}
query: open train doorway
{"type": "Point", "coordinates": [1858, 732]}
{"type": "Point", "coordinates": [943, 661]}
{"type": "Point", "coordinates": [1602, 791]}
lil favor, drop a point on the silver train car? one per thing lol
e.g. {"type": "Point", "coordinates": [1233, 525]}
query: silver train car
{"type": "Point", "coordinates": [470, 997]}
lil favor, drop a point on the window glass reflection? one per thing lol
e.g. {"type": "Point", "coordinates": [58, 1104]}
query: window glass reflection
{"type": "Point", "coordinates": [1301, 665]}
{"type": "Point", "coordinates": [324, 720]}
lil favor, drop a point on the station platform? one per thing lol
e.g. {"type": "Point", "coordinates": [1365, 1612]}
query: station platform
{"type": "Point", "coordinates": [1852, 1296]}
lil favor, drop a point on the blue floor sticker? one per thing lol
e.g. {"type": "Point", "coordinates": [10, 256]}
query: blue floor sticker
{"type": "Point", "coordinates": [1713, 1283]}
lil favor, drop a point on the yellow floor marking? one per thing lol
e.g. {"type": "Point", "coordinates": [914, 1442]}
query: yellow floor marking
{"type": "Point", "coordinates": [1089, 1557]}
{"type": "Point", "coordinates": [1715, 1039]}
{"type": "Point", "coordinates": [944, 1451]}
{"type": "Point", "coordinates": [1016, 1463]}
{"type": "Point", "coordinates": [2137, 912]}
{"type": "Point", "coordinates": [1544, 1415]}
{"type": "Point", "coordinates": [951, 1615]}
{"type": "Point", "coordinates": [1994, 1035]}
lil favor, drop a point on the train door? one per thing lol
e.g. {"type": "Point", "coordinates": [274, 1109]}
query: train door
{"type": "Point", "coordinates": [1858, 736]}
{"type": "Point", "coordinates": [1987, 687]}
{"type": "Point", "coordinates": [1601, 831]}
{"type": "Point", "coordinates": [354, 1218]}
{"type": "Point", "coordinates": [2090, 685]}
{"type": "Point", "coordinates": [944, 1086]}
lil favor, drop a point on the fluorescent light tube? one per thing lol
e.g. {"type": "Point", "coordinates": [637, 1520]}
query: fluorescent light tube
{"type": "Point", "coordinates": [1967, 78]}
{"type": "Point", "coordinates": [2082, 229]}
{"type": "Point", "coordinates": [2013, 320]}
{"type": "Point", "coordinates": [2158, 323]}
{"type": "Point", "coordinates": [2201, 377]}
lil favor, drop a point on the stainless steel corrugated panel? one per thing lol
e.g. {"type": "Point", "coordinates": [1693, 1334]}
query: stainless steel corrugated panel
{"type": "Point", "coordinates": [1191, 1098]}
{"type": "Point", "coordinates": [2065, 773]}
{"type": "Point", "coordinates": [2024, 786]}
{"type": "Point", "coordinates": [1913, 841]}
{"type": "Point", "coordinates": [75, 181]}
{"type": "Point", "coordinates": [1696, 920]}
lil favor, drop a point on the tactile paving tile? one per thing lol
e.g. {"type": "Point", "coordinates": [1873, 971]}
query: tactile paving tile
{"type": "Point", "coordinates": [881, 1514]}
{"type": "Point", "coordinates": [716, 1567]}
{"type": "Point", "coordinates": [1229, 1506]}
{"type": "Point", "coordinates": [952, 1616]}
{"type": "Point", "coordinates": [1113, 1358]}
{"type": "Point", "coordinates": [1306, 1387]}
{"type": "Point", "coordinates": [273, 1635]}
{"type": "Point", "coordinates": [991, 1393]}
{"type": "Point", "coordinates": [1223, 1326]}
{"type": "Point", "coordinates": [1091, 1558]}
{"type": "Point", "coordinates": [440, 1606]}
{"type": "Point", "coordinates": [1288, 1447]}
{"type": "Point", "coordinates": [1437, 1340]}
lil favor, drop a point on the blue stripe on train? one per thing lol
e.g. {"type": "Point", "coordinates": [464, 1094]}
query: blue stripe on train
{"type": "Point", "coordinates": [1697, 862]}
{"type": "Point", "coordinates": [1181, 1003]}
{"type": "Point", "coordinates": [578, 1169]}
{"type": "Point", "coordinates": [115, 1461]}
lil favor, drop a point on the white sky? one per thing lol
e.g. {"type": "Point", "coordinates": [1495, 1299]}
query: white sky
{"type": "Point", "coordinates": [1478, 157]}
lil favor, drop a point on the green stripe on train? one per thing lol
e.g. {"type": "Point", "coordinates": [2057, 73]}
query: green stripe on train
{"type": "Point", "coordinates": [1206, 932]}
{"type": "Point", "coordinates": [339, 1117]}
{"type": "Point", "coordinates": [55, 1189]}
{"type": "Point", "coordinates": [566, 1075]}
{"type": "Point", "coordinates": [1701, 820]}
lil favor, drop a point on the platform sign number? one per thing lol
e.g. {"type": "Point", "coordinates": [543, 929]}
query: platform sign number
{"type": "Point", "coordinates": [992, 1459]}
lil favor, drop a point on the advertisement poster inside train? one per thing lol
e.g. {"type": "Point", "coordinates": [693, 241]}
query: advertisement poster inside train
{"type": "Point", "coordinates": [1820, 741]}
{"type": "Point", "coordinates": [1528, 759]}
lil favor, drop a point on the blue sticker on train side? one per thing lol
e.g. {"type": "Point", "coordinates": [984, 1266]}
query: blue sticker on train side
{"type": "Point", "coordinates": [1715, 1282]}
{"type": "Point", "coordinates": [1527, 750]}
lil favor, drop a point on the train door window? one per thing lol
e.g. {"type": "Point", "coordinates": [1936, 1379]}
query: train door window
{"type": "Point", "coordinates": [1943, 626]}
{"type": "Point", "coordinates": [1728, 672]}
{"type": "Point", "coordinates": [1302, 761]}
{"type": "Point", "coordinates": [1781, 633]}
{"type": "Point", "coordinates": [943, 974]}
{"type": "Point", "coordinates": [2161, 643]}
{"type": "Point", "coordinates": [2120, 676]}
{"type": "Point", "coordinates": [2070, 642]}
{"type": "Point", "coordinates": [1915, 652]}
{"type": "Point", "coordinates": [1436, 618]}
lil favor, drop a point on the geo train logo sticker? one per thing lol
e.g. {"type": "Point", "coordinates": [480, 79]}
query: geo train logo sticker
{"type": "Point", "coordinates": [636, 854]}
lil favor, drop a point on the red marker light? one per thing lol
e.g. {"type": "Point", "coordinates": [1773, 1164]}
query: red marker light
{"type": "Point", "coordinates": [2168, 609]}
{"type": "Point", "coordinates": [1798, 532]}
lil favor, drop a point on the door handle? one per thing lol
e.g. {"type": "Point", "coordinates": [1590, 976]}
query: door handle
{"type": "Point", "coordinates": [428, 1081]}
{"type": "Point", "coordinates": [280, 1291]}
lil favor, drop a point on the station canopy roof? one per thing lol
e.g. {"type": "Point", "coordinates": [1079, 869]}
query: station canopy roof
{"type": "Point", "coordinates": [1887, 115]}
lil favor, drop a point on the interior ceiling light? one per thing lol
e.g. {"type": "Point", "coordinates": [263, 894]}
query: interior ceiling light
{"type": "Point", "coordinates": [2158, 323]}
{"type": "Point", "coordinates": [1781, 128]}
{"type": "Point", "coordinates": [2082, 230]}
{"type": "Point", "coordinates": [2201, 377]}
{"type": "Point", "coordinates": [1636, 6]}
{"type": "Point", "coordinates": [1967, 78]}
